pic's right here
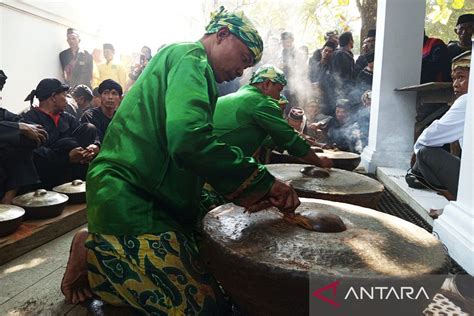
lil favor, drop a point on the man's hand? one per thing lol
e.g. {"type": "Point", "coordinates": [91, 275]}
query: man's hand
{"type": "Point", "coordinates": [77, 155]}
{"type": "Point", "coordinates": [90, 152]}
{"type": "Point", "coordinates": [33, 132]}
{"type": "Point", "coordinates": [314, 126]}
{"type": "Point", "coordinates": [283, 196]}
{"type": "Point", "coordinates": [321, 125]}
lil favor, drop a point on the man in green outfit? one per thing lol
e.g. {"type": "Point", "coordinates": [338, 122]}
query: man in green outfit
{"type": "Point", "coordinates": [251, 116]}
{"type": "Point", "coordinates": [143, 190]}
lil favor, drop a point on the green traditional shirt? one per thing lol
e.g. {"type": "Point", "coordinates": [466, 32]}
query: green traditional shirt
{"type": "Point", "coordinates": [159, 149]}
{"type": "Point", "coordinates": [245, 118]}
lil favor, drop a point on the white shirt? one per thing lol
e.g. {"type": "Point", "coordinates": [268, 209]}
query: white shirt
{"type": "Point", "coordinates": [449, 128]}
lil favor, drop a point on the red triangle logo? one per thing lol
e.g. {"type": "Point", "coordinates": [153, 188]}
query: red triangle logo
{"type": "Point", "coordinates": [330, 286]}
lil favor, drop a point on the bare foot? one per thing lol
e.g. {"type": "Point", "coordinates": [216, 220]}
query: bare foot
{"type": "Point", "coordinates": [75, 285]}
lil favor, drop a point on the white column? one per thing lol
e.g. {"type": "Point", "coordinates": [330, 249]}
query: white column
{"type": "Point", "coordinates": [455, 227]}
{"type": "Point", "coordinates": [397, 64]}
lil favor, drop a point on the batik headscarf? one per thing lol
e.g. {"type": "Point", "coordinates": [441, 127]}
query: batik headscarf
{"type": "Point", "coordinates": [239, 25]}
{"type": "Point", "coordinates": [268, 72]}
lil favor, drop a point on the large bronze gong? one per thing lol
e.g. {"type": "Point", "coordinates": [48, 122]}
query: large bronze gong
{"type": "Point", "coordinates": [340, 186]}
{"type": "Point", "coordinates": [341, 159]}
{"type": "Point", "coordinates": [264, 263]}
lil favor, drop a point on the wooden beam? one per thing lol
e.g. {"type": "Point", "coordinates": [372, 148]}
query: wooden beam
{"type": "Point", "coordinates": [34, 233]}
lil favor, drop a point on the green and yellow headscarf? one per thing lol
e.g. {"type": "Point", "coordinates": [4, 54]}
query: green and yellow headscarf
{"type": "Point", "coordinates": [239, 25]}
{"type": "Point", "coordinates": [268, 72]}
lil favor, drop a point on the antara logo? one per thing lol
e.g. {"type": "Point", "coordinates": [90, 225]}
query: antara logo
{"type": "Point", "coordinates": [323, 298]}
{"type": "Point", "coordinates": [385, 293]}
{"type": "Point", "coordinates": [370, 293]}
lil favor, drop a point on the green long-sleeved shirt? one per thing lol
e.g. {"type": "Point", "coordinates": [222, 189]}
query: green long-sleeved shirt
{"type": "Point", "coordinates": [245, 118]}
{"type": "Point", "coordinates": [159, 149]}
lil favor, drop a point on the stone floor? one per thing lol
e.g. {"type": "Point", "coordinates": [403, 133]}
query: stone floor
{"type": "Point", "coordinates": [30, 283]}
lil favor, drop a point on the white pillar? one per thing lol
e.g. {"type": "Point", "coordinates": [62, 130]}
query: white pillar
{"type": "Point", "coordinates": [397, 64]}
{"type": "Point", "coordinates": [455, 227]}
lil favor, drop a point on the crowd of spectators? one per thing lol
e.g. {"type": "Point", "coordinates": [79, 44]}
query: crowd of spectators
{"type": "Point", "coordinates": [326, 99]}
{"type": "Point", "coordinates": [55, 138]}
{"type": "Point", "coordinates": [332, 89]}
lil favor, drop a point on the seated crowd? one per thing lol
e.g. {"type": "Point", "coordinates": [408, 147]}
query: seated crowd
{"type": "Point", "coordinates": [50, 144]}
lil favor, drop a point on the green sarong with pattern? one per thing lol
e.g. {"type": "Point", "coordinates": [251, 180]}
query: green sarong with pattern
{"type": "Point", "coordinates": [156, 274]}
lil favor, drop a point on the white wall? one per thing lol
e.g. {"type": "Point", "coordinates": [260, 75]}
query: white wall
{"type": "Point", "coordinates": [397, 56]}
{"type": "Point", "coordinates": [29, 51]}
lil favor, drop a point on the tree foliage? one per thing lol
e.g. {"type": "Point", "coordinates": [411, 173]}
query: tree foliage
{"type": "Point", "coordinates": [309, 20]}
{"type": "Point", "coordinates": [441, 17]}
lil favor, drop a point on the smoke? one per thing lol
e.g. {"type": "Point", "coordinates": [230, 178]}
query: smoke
{"type": "Point", "coordinates": [354, 132]}
{"type": "Point", "coordinates": [312, 97]}
{"type": "Point", "coordinates": [299, 84]}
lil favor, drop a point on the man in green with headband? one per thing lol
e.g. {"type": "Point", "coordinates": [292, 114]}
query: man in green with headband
{"type": "Point", "coordinates": [249, 116]}
{"type": "Point", "coordinates": [252, 116]}
{"type": "Point", "coordinates": [143, 190]}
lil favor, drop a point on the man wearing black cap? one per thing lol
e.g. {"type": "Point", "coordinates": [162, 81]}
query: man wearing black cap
{"type": "Point", "coordinates": [368, 46]}
{"type": "Point", "coordinates": [464, 29]}
{"type": "Point", "coordinates": [331, 36]}
{"type": "Point", "coordinates": [82, 95]}
{"type": "Point", "coordinates": [71, 145]}
{"type": "Point", "coordinates": [111, 95]}
{"type": "Point", "coordinates": [76, 63]}
{"type": "Point", "coordinates": [17, 141]}
{"type": "Point", "coordinates": [110, 69]}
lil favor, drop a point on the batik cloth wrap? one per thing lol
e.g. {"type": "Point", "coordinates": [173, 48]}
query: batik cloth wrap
{"type": "Point", "coordinates": [157, 274]}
